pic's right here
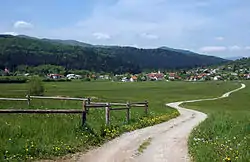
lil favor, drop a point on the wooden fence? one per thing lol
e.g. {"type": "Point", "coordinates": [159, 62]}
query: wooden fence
{"type": "Point", "coordinates": [86, 105]}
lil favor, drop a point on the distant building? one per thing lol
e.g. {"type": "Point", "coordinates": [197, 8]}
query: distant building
{"type": "Point", "coordinates": [133, 78]}
{"type": "Point", "coordinates": [55, 76]}
{"type": "Point", "coordinates": [155, 76]}
{"type": "Point", "coordinates": [125, 79]}
{"type": "Point", "coordinates": [217, 78]}
{"type": "Point", "coordinates": [73, 76]}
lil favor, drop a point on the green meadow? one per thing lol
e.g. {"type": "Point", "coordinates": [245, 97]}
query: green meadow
{"type": "Point", "coordinates": [33, 136]}
{"type": "Point", "coordinates": [225, 134]}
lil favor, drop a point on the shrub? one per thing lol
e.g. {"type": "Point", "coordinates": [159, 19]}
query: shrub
{"type": "Point", "coordinates": [87, 79]}
{"type": "Point", "coordinates": [35, 86]}
{"type": "Point", "coordinates": [13, 79]}
{"type": "Point", "coordinates": [56, 80]}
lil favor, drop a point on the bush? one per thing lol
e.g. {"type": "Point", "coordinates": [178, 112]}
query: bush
{"type": "Point", "coordinates": [56, 80]}
{"type": "Point", "coordinates": [13, 79]}
{"type": "Point", "coordinates": [36, 86]}
{"type": "Point", "coordinates": [87, 79]}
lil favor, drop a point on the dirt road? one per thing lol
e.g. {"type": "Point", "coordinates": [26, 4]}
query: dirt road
{"type": "Point", "coordinates": [168, 144]}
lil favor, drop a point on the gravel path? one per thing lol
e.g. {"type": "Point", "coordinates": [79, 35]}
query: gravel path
{"type": "Point", "coordinates": [168, 144]}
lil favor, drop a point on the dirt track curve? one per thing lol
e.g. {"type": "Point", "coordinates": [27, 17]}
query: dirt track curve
{"type": "Point", "coordinates": [169, 139]}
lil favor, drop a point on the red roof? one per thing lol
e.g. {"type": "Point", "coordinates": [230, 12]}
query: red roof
{"type": "Point", "coordinates": [172, 74]}
{"type": "Point", "coordinates": [55, 75]}
{"type": "Point", "coordinates": [157, 75]}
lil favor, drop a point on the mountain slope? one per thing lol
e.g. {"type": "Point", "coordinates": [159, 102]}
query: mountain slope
{"type": "Point", "coordinates": [177, 50]}
{"type": "Point", "coordinates": [234, 58]}
{"type": "Point", "coordinates": [68, 42]}
{"type": "Point", "coordinates": [16, 51]}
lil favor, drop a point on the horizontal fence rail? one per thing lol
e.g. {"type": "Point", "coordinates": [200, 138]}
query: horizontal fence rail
{"type": "Point", "coordinates": [39, 111]}
{"type": "Point", "coordinates": [86, 105]}
{"type": "Point", "coordinates": [112, 104]}
{"type": "Point", "coordinates": [121, 108]}
{"type": "Point", "coordinates": [14, 99]}
{"type": "Point", "coordinates": [95, 105]}
{"type": "Point", "coordinates": [57, 98]}
{"type": "Point", "coordinates": [137, 105]}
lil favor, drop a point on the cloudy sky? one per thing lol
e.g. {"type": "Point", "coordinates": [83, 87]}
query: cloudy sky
{"type": "Point", "coordinates": [214, 27]}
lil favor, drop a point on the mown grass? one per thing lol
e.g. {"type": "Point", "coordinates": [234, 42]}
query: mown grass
{"type": "Point", "coordinates": [27, 137]}
{"type": "Point", "coordinates": [225, 134]}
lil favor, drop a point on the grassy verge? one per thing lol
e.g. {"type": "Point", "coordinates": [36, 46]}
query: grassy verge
{"type": "Point", "coordinates": [27, 137]}
{"type": "Point", "coordinates": [225, 135]}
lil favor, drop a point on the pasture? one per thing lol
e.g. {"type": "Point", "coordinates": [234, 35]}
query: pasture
{"type": "Point", "coordinates": [29, 137]}
{"type": "Point", "coordinates": [225, 135]}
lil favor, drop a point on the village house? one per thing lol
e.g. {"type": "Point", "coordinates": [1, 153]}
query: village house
{"type": "Point", "coordinates": [106, 77]}
{"type": "Point", "coordinates": [55, 76]}
{"type": "Point", "coordinates": [133, 78]}
{"type": "Point", "coordinates": [125, 79]}
{"type": "Point", "coordinates": [247, 76]}
{"type": "Point", "coordinates": [155, 76]}
{"type": "Point", "coordinates": [171, 76]}
{"type": "Point", "coordinates": [217, 78]}
{"type": "Point", "coordinates": [73, 76]}
{"type": "Point", "coordinates": [174, 76]}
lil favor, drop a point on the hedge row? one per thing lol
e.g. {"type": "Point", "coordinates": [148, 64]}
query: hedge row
{"type": "Point", "coordinates": [13, 79]}
{"type": "Point", "coordinates": [56, 80]}
{"type": "Point", "coordinates": [21, 79]}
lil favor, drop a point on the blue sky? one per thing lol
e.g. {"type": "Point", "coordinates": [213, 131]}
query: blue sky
{"type": "Point", "coordinates": [214, 27]}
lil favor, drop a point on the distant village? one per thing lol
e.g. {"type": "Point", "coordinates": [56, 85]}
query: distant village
{"type": "Point", "coordinates": [199, 74]}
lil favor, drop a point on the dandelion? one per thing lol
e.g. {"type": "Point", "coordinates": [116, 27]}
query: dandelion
{"type": "Point", "coordinates": [227, 159]}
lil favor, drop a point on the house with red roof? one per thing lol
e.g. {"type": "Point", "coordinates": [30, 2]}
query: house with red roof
{"type": "Point", "coordinates": [55, 76]}
{"type": "Point", "coordinates": [155, 76]}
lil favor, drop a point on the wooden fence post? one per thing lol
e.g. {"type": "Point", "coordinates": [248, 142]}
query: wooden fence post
{"type": "Point", "coordinates": [128, 112]}
{"type": "Point", "coordinates": [88, 100]}
{"type": "Point", "coordinates": [146, 107]}
{"type": "Point", "coordinates": [28, 99]}
{"type": "Point", "coordinates": [84, 113]}
{"type": "Point", "coordinates": [107, 114]}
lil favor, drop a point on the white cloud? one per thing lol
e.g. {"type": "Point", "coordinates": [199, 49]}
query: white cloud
{"type": "Point", "coordinates": [101, 36]}
{"type": "Point", "coordinates": [149, 36]}
{"type": "Point", "coordinates": [234, 48]}
{"type": "Point", "coordinates": [23, 25]}
{"type": "Point", "coordinates": [247, 48]}
{"type": "Point", "coordinates": [10, 33]}
{"type": "Point", "coordinates": [220, 38]}
{"type": "Point", "coordinates": [213, 49]}
{"type": "Point", "coordinates": [126, 20]}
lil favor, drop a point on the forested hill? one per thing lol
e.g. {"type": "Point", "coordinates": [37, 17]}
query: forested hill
{"type": "Point", "coordinates": [240, 63]}
{"type": "Point", "coordinates": [16, 51]}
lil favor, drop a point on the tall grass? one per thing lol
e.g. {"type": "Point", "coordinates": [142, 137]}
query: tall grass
{"type": "Point", "coordinates": [225, 135]}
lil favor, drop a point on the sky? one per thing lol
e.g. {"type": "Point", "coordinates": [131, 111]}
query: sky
{"type": "Point", "coordinates": [213, 27]}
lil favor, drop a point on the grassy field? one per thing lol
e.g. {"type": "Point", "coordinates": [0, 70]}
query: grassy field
{"type": "Point", "coordinates": [45, 136]}
{"type": "Point", "coordinates": [225, 135]}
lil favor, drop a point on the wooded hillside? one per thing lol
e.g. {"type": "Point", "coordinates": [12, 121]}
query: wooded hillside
{"type": "Point", "coordinates": [16, 51]}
